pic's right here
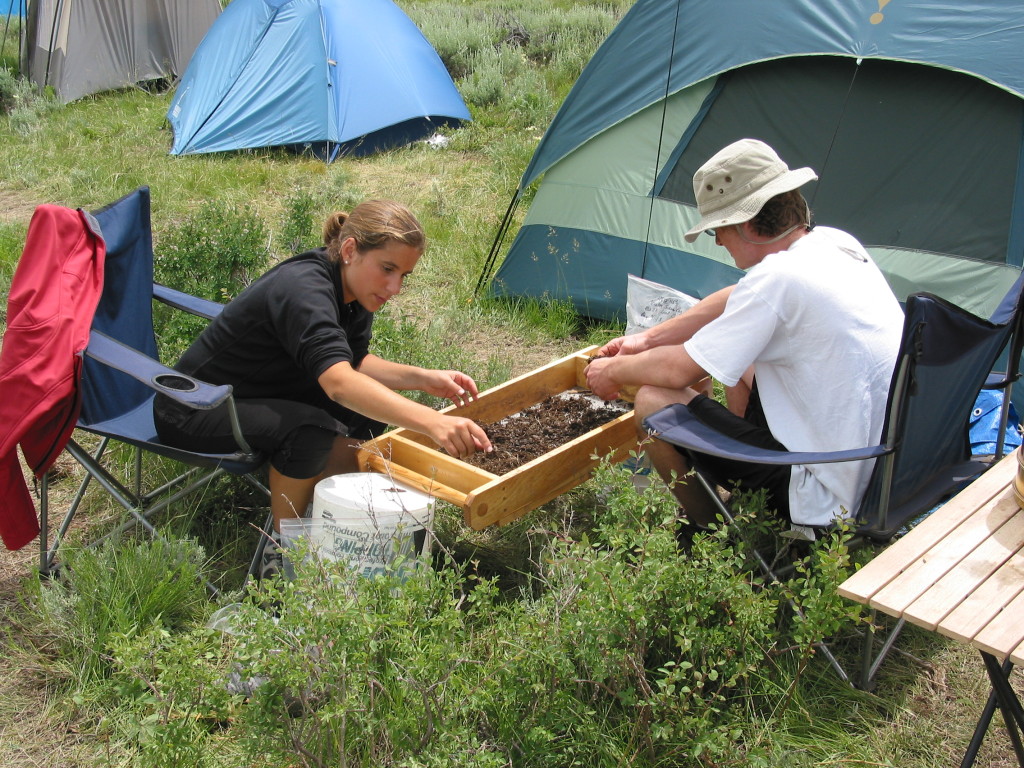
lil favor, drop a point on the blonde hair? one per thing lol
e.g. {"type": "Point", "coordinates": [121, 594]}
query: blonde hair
{"type": "Point", "coordinates": [373, 224]}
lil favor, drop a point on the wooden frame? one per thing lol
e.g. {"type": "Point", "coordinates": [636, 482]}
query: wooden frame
{"type": "Point", "coordinates": [489, 499]}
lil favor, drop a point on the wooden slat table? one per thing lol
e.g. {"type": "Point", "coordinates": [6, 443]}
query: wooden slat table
{"type": "Point", "coordinates": [960, 573]}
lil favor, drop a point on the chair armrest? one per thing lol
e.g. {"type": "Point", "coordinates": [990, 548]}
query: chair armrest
{"type": "Point", "coordinates": [1000, 380]}
{"type": "Point", "coordinates": [187, 302]}
{"type": "Point", "coordinates": [675, 424]}
{"type": "Point", "coordinates": [155, 375]}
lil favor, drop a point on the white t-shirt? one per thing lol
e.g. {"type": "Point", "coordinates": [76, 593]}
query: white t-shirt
{"type": "Point", "coordinates": [822, 329]}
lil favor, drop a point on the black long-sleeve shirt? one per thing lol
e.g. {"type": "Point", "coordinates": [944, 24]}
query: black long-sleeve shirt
{"type": "Point", "coordinates": [278, 335]}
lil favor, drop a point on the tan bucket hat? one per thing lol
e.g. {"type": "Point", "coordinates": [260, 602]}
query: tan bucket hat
{"type": "Point", "coordinates": [734, 185]}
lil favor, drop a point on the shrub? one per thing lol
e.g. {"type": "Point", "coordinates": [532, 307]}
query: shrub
{"type": "Point", "coordinates": [301, 230]}
{"type": "Point", "coordinates": [8, 91]}
{"type": "Point", "coordinates": [23, 105]}
{"type": "Point", "coordinates": [213, 253]}
{"type": "Point", "coordinates": [116, 589]}
{"type": "Point", "coordinates": [622, 650]}
{"type": "Point", "coordinates": [458, 34]}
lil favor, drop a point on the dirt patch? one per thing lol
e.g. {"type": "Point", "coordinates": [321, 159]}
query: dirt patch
{"type": "Point", "coordinates": [14, 208]}
{"type": "Point", "coordinates": [541, 428]}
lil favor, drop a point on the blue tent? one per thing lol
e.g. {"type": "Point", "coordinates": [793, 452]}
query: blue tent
{"type": "Point", "coordinates": [910, 112]}
{"type": "Point", "coordinates": [12, 7]}
{"type": "Point", "coordinates": [326, 76]}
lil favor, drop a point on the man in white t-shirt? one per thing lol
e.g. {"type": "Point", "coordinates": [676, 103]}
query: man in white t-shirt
{"type": "Point", "coordinates": [805, 344]}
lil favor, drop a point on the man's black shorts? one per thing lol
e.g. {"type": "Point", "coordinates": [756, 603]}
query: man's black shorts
{"type": "Point", "coordinates": [751, 429]}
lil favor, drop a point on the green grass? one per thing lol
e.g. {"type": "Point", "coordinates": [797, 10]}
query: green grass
{"type": "Point", "coordinates": [560, 639]}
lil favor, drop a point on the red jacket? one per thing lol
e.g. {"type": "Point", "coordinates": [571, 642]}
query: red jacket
{"type": "Point", "coordinates": [53, 297]}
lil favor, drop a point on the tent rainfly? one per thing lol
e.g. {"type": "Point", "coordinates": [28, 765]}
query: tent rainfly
{"type": "Point", "coordinates": [81, 47]}
{"type": "Point", "coordinates": [911, 114]}
{"type": "Point", "coordinates": [326, 76]}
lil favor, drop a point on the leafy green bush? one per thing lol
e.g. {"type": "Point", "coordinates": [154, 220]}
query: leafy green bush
{"type": "Point", "coordinates": [301, 227]}
{"type": "Point", "coordinates": [213, 253]}
{"type": "Point", "coordinates": [8, 91]}
{"type": "Point", "coordinates": [623, 651]}
{"type": "Point", "coordinates": [306, 210]}
{"type": "Point", "coordinates": [115, 589]}
{"type": "Point", "coordinates": [22, 104]}
{"type": "Point", "coordinates": [579, 33]}
{"type": "Point", "coordinates": [457, 33]}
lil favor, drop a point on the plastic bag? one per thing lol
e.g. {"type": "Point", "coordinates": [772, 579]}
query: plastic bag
{"type": "Point", "coordinates": [649, 303]}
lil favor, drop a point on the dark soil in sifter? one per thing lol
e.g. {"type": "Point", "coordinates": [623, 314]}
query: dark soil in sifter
{"type": "Point", "coordinates": [542, 428]}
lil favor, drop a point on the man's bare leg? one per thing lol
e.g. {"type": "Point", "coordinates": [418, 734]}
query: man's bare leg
{"type": "Point", "coordinates": [670, 463]}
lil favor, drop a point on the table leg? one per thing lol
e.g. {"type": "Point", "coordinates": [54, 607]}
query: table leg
{"type": "Point", "coordinates": [1004, 697]}
{"type": "Point", "coordinates": [979, 731]}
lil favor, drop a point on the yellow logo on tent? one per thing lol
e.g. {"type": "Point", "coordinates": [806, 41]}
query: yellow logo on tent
{"type": "Point", "coordinates": [876, 18]}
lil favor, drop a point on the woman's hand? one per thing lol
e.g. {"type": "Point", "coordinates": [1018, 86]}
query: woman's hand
{"type": "Point", "coordinates": [451, 385]}
{"type": "Point", "coordinates": [458, 436]}
{"type": "Point", "coordinates": [372, 397]}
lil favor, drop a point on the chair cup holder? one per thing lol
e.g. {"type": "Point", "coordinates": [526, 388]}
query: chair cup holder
{"type": "Point", "coordinates": [175, 382]}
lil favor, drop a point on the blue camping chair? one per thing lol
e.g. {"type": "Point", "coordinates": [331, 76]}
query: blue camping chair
{"type": "Point", "coordinates": [121, 376]}
{"type": "Point", "coordinates": [946, 357]}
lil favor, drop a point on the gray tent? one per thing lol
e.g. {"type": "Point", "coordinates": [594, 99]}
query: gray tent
{"type": "Point", "coordinates": [85, 46]}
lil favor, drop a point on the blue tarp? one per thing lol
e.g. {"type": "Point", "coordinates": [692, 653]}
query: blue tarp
{"type": "Point", "coordinates": [13, 7]}
{"type": "Point", "coordinates": [985, 418]}
{"type": "Point", "coordinates": [354, 75]}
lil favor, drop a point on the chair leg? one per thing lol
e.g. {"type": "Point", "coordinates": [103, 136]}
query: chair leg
{"type": "Point", "coordinates": [45, 562]}
{"type": "Point", "coordinates": [139, 506]}
{"type": "Point", "coordinates": [869, 660]}
{"type": "Point", "coordinates": [48, 552]}
{"type": "Point", "coordinates": [770, 573]}
{"type": "Point", "coordinates": [265, 532]}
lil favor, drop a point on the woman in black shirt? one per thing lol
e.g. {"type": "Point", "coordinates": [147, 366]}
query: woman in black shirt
{"type": "Point", "coordinates": [294, 346]}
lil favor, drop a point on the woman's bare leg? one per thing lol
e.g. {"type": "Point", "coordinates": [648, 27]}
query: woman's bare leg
{"type": "Point", "coordinates": [290, 496]}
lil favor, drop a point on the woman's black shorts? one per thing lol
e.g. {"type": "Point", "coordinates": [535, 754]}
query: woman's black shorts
{"type": "Point", "coordinates": [297, 436]}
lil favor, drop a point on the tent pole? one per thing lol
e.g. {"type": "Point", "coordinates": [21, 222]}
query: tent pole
{"type": "Point", "coordinates": [661, 138]}
{"type": "Point", "coordinates": [7, 26]}
{"type": "Point", "coordinates": [58, 11]}
{"type": "Point", "coordinates": [485, 273]}
{"type": "Point", "coordinates": [831, 144]}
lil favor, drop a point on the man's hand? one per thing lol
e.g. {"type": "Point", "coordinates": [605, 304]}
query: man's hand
{"type": "Point", "coordinates": [625, 345]}
{"type": "Point", "coordinates": [600, 378]}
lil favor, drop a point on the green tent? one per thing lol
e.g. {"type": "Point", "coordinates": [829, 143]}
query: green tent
{"type": "Point", "coordinates": [911, 113]}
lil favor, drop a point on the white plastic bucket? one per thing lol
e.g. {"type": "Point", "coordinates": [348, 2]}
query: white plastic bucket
{"type": "Point", "coordinates": [365, 519]}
